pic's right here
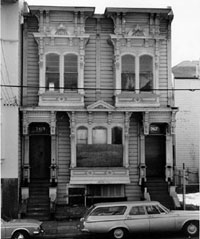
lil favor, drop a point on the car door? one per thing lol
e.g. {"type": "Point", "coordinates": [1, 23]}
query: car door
{"type": "Point", "coordinates": [160, 220]}
{"type": "Point", "coordinates": [137, 220]}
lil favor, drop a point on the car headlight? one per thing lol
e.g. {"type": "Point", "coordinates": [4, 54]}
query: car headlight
{"type": "Point", "coordinates": [38, 230]}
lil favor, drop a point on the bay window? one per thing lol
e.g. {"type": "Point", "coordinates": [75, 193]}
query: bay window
{"type": "Point", "coordinates": [100, 146]}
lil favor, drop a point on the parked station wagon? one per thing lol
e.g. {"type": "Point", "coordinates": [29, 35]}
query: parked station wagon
{"type": "Point", "coordinates": [119, 219]}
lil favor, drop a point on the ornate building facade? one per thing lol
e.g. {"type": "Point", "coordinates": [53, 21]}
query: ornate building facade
{"type": "Point", "coordinates": [98, 113]}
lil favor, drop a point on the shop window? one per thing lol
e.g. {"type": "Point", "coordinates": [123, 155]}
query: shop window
{"type": "Point", "coordinates": [128, 72]}
{"type": "Point", "coordinates": [146, 73]}
{"type": "Point", "coordinates": [70, 72]}
{"type": "Point", "coordinates": [82, 135]}
{"type": "Point", "coordinates": [117, 135]}
{"type": "Point", "coordinates": [52, 71]}
{"type": "Point", "coordinates": [99, 135]}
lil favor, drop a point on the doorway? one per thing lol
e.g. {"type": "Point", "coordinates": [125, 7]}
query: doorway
{"type": "Point", "coordinates": [40, 156]}
{"type": "Point", "coordinates": [155, 155]}
{"type": "Point", "coordinates": [39, 151]}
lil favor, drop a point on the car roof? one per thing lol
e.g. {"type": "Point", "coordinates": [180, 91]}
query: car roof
{"type": "Point", "coordinates": [126, 203]}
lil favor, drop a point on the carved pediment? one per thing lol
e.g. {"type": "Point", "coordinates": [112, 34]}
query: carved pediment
{"type": "Point", "coordinates": [61, 30]}
{"type": "Point", "coordinates": [138, 31]}
{"type": "Point", "coordinates": [100, 105]}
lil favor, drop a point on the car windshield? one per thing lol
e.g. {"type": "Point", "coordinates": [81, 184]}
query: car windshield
{"type": "Point", "coordinates": [88, 211]}
{"type": "Point", "coordinates": [163, 209]}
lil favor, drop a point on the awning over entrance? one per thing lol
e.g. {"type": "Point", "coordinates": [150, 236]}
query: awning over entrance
{"type": "Point", "coordinates": [99, 176]}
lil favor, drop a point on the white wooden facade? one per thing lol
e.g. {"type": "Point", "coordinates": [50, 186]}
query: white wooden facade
{"type": "Point", "coordinates": [98, 107]}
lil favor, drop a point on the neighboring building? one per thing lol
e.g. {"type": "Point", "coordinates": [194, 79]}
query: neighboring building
{"type": "Point", "coordinates": [98, 114]}
{"type": "Point", "coordinates": [187, 98]}
{"type": "Point", "coordinates": [11, 17]}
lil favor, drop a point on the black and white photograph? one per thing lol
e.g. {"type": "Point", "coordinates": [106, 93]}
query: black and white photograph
{"type": "Point", "coordinates": [100, 119]}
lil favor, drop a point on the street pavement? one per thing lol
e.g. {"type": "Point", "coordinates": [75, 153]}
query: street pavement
{"type": "Point", "coordinates": [69, 229]}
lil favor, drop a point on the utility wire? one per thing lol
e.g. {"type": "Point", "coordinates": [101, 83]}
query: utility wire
{"type": "Point", "coordinates": [93, 88]}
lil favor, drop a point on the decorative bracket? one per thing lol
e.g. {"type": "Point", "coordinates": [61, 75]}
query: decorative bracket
{"type": "Point", "coordinates": [146, 123]}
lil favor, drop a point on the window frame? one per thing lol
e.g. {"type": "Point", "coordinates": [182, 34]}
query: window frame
{"type": "Point", "coordinates": [128, 73]}
{"type": "Point", "coordinates": [109, 129]}
{"type": "Point", "coordinates": [61, 84]}
{"type": "Point", "coordinates": [48, 87]}
{"type": "Point", "coordinates": [137, 72]}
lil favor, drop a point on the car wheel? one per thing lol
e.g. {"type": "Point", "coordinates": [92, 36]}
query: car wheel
{"type": "Point", "coordinates": [118, 233]}
{"type": "Point", "coordinates": [20, 235]}
{"type": "Point", "coordinates": [191, 228]}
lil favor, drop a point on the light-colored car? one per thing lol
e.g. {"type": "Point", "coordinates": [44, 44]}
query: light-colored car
{"type": "Point", "coordinates": [21, 229]}
{"type": "Point", "coordinates": [119, 219]}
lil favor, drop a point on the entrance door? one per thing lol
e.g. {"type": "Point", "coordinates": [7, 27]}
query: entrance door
{"type": "Point", "coordinates": [155, 155]}
{"type": "Point", "coordinates": [40, 156]}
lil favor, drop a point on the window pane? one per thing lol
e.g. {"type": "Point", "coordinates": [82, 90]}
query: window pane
{"type": "Point", "coordinates": [52, 71]}
{"type": "Point", "coordinates": [113, 210]}
{"type": "Point", "coordinates": [152, 210]}
{"type": "Point", "coordinates": [128, 72]}
{"type": "Point", "coordinates": [99, 136]}
{"type": "Point", "coordinates": [82, 135]}
{"type": "Point", "coordinates": [117, 135]}
{"type": "Point", "coordinates": [70, 72]}
{"type": "Point", "coordinates": [146, 73]}
{"type": "Point", "coordinates": [137, 210]}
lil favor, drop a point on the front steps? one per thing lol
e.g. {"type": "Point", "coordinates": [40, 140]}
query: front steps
{"type": "Point", "coordinates": [38, 206]}
{"type": "Point", "coordinates": [158, 191]}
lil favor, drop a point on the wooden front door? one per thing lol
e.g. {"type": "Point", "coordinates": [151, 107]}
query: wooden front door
{"type": "Point", "coordinates": [155, 155]}
{"type": "Point", "coordinates": [40, 156]}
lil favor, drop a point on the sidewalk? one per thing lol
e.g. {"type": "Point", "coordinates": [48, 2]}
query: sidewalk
{"type": "Point", "coordinates": [61, 229]}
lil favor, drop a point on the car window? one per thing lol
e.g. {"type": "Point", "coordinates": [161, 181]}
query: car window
{"type": "Point", "coordinates": [152, 210]}
{"type": "Point", "coordinates": [137, 210]}
{"type": "Point", "coordinates": [103, 211]}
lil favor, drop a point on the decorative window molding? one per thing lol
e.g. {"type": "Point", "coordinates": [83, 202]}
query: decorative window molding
{"type": "Point", "coordinates": [137, 73]}
{"type": "Point", "coordinates": [65, 43]}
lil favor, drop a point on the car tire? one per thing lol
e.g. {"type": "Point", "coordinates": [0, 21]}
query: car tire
{"type": "Point", "coordinates": [119, 233]}
{"type": "Point", "coordinates": [21, 235]}
{"type": "Point", "coordinates": [191, 228]}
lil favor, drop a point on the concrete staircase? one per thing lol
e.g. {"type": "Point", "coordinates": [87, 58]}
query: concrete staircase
{"type": "Point", "coordinates": [158, 190]}
{"type": "Point", "coordinates": [39, 203]}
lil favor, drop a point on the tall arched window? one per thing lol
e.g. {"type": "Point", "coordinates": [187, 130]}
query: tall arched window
{"type": "Point", "coordinates": [117, 135]}
{"type": "Point", "coordinates": [146, 73]}
{"type": "Point", "coordinates": [52, 71]}
{"type": "Point", "coordinates": [128, 72]}
{"type": "Point", "coordinates": [82, 135]}
{"type": "Point", "coordinates": [70, 72]}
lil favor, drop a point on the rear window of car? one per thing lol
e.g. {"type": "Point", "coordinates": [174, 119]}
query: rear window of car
{"type": "Point", "coordinates": [107, 211]}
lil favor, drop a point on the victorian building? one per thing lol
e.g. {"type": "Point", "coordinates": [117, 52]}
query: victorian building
{"type": "Point", "coordinates": [98, 114]}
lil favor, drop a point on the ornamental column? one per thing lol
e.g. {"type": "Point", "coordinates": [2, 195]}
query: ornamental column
{"type": "Point", "coordinates": [73, 140]}
{"type": "Point", "coordinates": [126, 140]}
{"type": "Point", "coordinates": [53, 166]}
